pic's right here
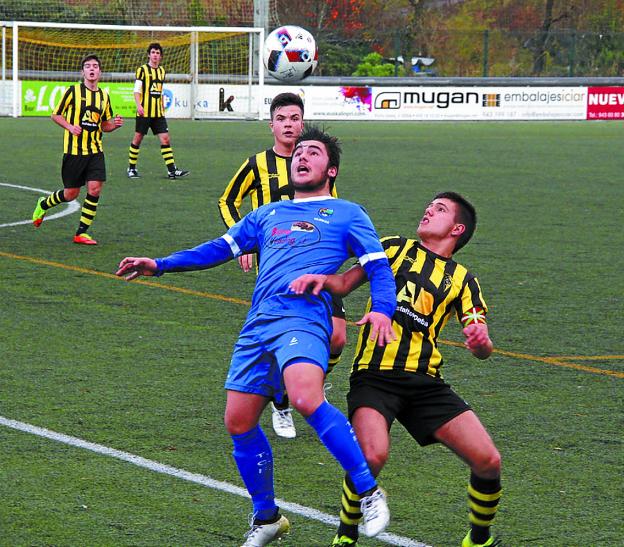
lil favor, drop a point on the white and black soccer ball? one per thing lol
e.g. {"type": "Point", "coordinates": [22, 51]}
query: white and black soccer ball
{"type": "Point", "coordinates": [290, 53]}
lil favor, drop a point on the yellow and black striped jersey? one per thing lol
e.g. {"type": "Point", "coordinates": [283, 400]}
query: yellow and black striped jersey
{"type": "Point", "coordinates": [152, 82]}
{"type": "Point", "coordinates": [265, 178]}
{"type": "Point", "coordinates": [88, 109]}
{"type": "Point", "coordinates": [430, 288]}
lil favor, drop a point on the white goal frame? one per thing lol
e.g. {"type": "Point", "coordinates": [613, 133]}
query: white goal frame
{"type": "Point", "coordinates": [253, 81]}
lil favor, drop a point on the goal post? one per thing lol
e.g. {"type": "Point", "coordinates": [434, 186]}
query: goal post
{"type": "Point", "coordinates": [212, 72]}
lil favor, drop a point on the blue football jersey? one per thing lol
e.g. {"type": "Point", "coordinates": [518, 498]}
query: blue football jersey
{"type": "Point", "coordinates": [311, 235]}
{"type": "Point", "coordinates": [301, 236]}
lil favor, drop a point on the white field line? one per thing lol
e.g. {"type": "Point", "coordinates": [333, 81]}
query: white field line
{"type": "Point", "coordinates": [204, 480]}
{"type": "Point", "coordinates": [71, 207]}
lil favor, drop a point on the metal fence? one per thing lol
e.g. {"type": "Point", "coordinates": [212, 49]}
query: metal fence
{"type": "Point", "coordinates": [499, 53]}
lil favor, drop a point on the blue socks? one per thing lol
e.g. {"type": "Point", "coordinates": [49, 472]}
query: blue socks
{"type": "Point", "coordinates": [254, 459]}
{"type": "Point", "coordinates": [337, 435]}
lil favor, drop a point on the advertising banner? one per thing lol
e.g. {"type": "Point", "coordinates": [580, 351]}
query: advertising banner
{"type": "Point", "coordinates": [479, 103]}
{"type": "Point", "coordinates": [438, 103]}
{"type": "Point", "coordinates": [41, 98]}
{"type": "Point", "coordinates": [418, 103]}
{"type": "Point", "coordinates": [605, 103]}
{"type": "Point", "coordinates": [177, 99]}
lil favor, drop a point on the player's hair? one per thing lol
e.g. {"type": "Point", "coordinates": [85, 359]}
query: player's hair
{"type": "Point", "coordinates": [285, 99]}
{"type": "Point", "coordinates": [466, 215]}
{"type": "Point", "coordinates": [332, 144]}
{"type": "Point", "coordinates": [154, 45]}
{"type": "Point", "coordinates": [90, 57]}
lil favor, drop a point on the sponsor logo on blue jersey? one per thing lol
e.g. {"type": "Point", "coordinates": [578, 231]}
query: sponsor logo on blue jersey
{"type": "Point", "coordinates": [325, 212]}
{"type": "Point", "coordinates": [300, 233]}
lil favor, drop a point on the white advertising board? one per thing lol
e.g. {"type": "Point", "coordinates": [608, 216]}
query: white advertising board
{"type": "Point", "coordinates": [418, 103]}
{"type": "Point", "coordinates": [423, 103]}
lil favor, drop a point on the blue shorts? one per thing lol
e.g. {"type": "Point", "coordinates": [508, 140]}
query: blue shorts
{"type": "Point", "coordinates": [264, 348]}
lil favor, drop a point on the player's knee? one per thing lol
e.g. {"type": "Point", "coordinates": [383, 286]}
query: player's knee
{"type": "Point", "coordinates": [304, 405]}
{"type": "Point", "coordinates": [376, 457]}
{"type": "Point", "coordinates": [71, 193]}
{"type": "Point", "coordinates": [235, 424]}
{"type": "Point", "coordinates": [488, 465]}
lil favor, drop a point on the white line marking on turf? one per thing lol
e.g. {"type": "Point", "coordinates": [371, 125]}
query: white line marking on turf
{"type": "Point", "coordinates": [71, 208]}
{"type": "Point", "coordinates": [302, 510]}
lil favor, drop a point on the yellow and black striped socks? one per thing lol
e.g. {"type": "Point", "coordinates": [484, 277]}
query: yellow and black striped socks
{"type": "Point", "coordinates": [53, 200]}
{"type": "Point", "coordinates": [133, 155]}
{"type": "Point", "coordinates": [483, 498]}
{"type": "Point", "coordinates": [89, 208]}
{"type": "Point", "coordinates": [167, 154]}
{"type": "Point", "coordinates": [350, 514]}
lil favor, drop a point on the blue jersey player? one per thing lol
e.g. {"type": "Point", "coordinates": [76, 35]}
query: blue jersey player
{"type": "Point", "coordinates": [284, 343]}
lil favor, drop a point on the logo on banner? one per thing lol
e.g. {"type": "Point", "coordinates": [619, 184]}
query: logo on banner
{"type": "Point", "coordinates": [605, 103]}
{"type": "Point", "coordinates": [388, 100]}
{"type": "Point", "coordinates": [41, 99]}
{"type": "Point", "coordinates": [167, 98]}
{"type": "Point", "coordinates": [225, 104]}
{"type": "Point", "coordinates": [491, 99]}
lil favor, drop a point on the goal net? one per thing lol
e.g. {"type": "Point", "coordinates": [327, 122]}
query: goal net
{"type": "Point", "coordinates": [212, 72]}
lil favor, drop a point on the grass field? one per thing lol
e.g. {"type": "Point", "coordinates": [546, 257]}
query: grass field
{"type": "Point", "coordinates": [139, 367]}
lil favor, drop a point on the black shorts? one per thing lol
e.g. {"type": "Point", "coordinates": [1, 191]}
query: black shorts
{"type": "Point", "coordinates": [420, 403]}
{"type": "Point", "coordinates": [157, 125]}
{"type": "Point", "coordinates": [338, 307]}
{"type": "Point", "coordinates": [77, 170]}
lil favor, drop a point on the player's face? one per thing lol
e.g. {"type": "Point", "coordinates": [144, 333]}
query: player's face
{"type": "Point", "coordinates": [287, 125]}
{"type": "Point", "coordinates": [91, 70]}
{"type": "Point", "coordinates": [155, 56]}
{"type": "Point", "coordinates": [309, 169]}
{"type": "Point", "coordinates": [439, 222]}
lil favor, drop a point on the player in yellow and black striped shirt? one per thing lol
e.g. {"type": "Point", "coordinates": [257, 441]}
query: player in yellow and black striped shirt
{"type": "Point", "coordinates": [149, 97]}
{"type": "Point", "coordinates": [265, 178]}
{"type": "Point", "coordinates": [402, 380]}
{"type": "Point", "coordinates": [84, 112]}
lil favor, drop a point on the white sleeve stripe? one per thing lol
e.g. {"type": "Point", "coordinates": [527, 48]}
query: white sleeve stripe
{"type": "Point", "coordinates": [138, 86]}
{"type": "Point", "coordinates": [233, 245]}
{"type": "Point", "coordinates": [371, 256]}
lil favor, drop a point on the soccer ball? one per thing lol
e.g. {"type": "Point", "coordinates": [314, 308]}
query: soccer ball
{"type": "Point", "coordinates": [290, 53]}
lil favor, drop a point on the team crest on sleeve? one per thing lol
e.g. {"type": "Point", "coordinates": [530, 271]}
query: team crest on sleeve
{"type": "Point", "coordinates": [473, 316]}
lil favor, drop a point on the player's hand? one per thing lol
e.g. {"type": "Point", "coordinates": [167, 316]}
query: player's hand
{"type": "Point", "coordinates": [75, 130]}
{"type": "Point", "coordinates": [478, 340]}
{"type": "Point", "coordinates": [246, 262]}
{"type": "Point", "coordinates": [118, 121]}
{"type": "Point", "coordinates": [312, 283]}
{"type": "Point", "coordinates": [140, 110]}
{"type": "Point", "coordinates": [381, 327]}
{"type": "Point", "coordinates": [132, 267]}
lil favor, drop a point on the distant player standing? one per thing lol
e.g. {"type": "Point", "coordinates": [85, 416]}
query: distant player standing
{"type": "Point", "coordinates": [84, 112]}
{"type": "Point", "coordinates": [148, 95]}
{"type": "Point", "coordinates": [263, 178]}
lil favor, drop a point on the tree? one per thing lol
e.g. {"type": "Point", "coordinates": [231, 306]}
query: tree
{"type": "Point", "coordinates": [373, 65]}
